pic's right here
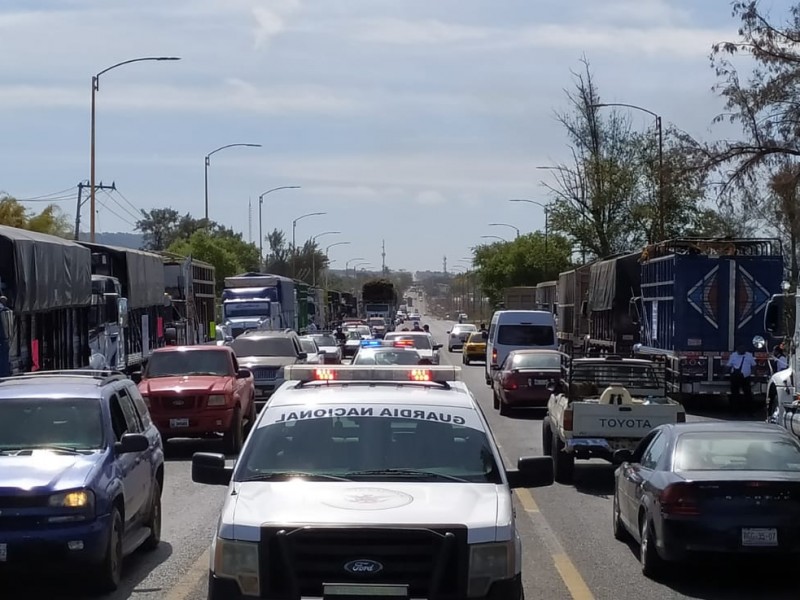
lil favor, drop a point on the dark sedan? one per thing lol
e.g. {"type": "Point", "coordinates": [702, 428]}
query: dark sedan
{"type": "Point", "coordinates": [714, 487]}
{"type": "Point", "coordinates": [523, 378]}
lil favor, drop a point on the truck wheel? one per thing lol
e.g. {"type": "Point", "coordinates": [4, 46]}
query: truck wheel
{"type": "Point", "coordinates": [109, 572]}
{"type": "Point", "coordinates": [495, 400]}
{"type": "Point", "coordinates": [547, 437]}
{"type": "Point", "coordinates": [154, 520]}
{"type": "Point", "coordinates": [563, 462]}
{"type": "Point", "coordinates": [235, 435]}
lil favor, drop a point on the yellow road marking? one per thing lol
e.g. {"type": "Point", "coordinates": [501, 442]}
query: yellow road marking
{"type": "Point", "coordinates": [572, 578]}
{"type": "Point", "coordinates": [190, 580]}
{"type": "Point", "coordinates": [527, 501]}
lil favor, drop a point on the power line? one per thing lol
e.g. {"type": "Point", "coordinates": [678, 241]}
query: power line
{"type": "Point", "coordinates": [138, 210]}
{"type": "Point", "coordinates": [44, 197]}
{"type": "Point", "coordinates": [116, 214]}
{"type": "Point", "coordinates": [119, 204]}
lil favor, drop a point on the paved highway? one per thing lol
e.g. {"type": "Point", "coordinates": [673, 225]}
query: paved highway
{"type": "Point", "coordinates": [570, 553]}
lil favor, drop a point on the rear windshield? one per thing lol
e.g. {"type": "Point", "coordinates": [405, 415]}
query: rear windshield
{"type": "Point", "coordinates": [308, 346]}
{"type": "Point", "coordinates": [189, 362]}
{"type": "Point", "coordinates": [325, 340]}
{"type": "Point", "coordinates": [601, 375]}
{"type": "Point", "coordinates": [477, 338]}
{"type": "Point", "coordinates": [386, 357]}
{"type": "Point", "coordinates": [736, 452]}
{"type": "Point", "coordinates": [420, 342]}
{"type": "Point", "coordinates": [463, 328]}
{"type": "Point", "coordinates": [268, 346]}
{"type": "Point", "coordinates": [525, 335]}
{"type": "Point", "coordinates": [40, 422]}
{"type": "Point", "coordinates": [537, 361]}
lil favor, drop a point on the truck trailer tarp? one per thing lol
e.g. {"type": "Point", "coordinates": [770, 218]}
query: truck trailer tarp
{"type": "Point", "coordinates": [141, 273]}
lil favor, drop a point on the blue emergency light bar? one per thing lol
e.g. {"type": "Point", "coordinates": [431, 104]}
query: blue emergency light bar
{"type": "Point", "coordinates": [371, 343]}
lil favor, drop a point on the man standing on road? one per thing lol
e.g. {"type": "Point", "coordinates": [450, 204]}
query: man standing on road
{"type": "Point", "coordinates": [312, 326]}
{"type": "Point", "coordinates": [741, 365]}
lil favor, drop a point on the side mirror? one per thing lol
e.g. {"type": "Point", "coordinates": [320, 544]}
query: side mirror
{"type": "Point", "coordinates": [243, 373]}
{"type": "Point", "coordinates": [303, 355]}
{"type": "Point", "coordinates": [622, 455]}
{"type": "Point", "coordinates": [773, 315]}
{"type": "Point", "coordinates": [437, 346]}
{"type": "Point", "coordinates": [531, 471]}
{"type": "Point", "coordinates": [209, 468]}
{"type": "Point", "coordinates": [136, 377]}
{"type": "Point", "coordinates": [448, 331]}
{"type": "Point", "coordinates": [132, 442]}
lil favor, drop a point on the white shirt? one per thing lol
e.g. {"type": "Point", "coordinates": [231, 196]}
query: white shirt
{"type": "Point", "coordinates": [312, 326]}
{"type": "Point", "coordinates": [744, 362]}
{"type": "Point", "coordinates": [782, 363]}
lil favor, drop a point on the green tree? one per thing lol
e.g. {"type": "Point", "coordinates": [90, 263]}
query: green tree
{"type": "Point", "coordinates": [527, 260]}
{"type": "Point", "coordinates": [51, 220]}
{"type": "Point", "coordinates": [163, 226]}
{"type": "Point", "coordinates": [306, 262]}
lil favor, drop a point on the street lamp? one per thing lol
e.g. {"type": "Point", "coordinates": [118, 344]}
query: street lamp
{"type": "Point", "coordinates": [546, 216]}
{"type": "Point", "coordinates": [329, 262]}
{"type": "Point", "coordinates": [314, 255]}
{"type": "Point", "coordinates": [95, 89]}
{"type": "Point", "coordinates": [294, 230]}
{"type": "Point", "coordinates": [208, 164]}
{"type": "Point", "coordinates": [494, 237]}
{"type": "Point", "coordinates": [347, 265]}
{"type": "Point", "coordinates": [260, 203]}
{"type": "Point", "coordinates": [505, 225]}
{"type": "Point", "coordinates": [661, 217]}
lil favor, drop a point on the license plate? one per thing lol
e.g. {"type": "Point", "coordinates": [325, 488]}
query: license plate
{"type": "Point", "coordinates": [540, 381]}
{"type": "Point", "coordinates": [176, 423]}
{"type": "Point", "coordinates": [3, 552]}
{"type": "Point", "coordinates": [759, 537]}
{"type": "Point", "coordinates": [366, 591]}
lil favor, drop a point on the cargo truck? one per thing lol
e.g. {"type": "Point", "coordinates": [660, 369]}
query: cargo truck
{"type": "Point", "coordinates": [379, 300]}
{"type": "Point", "coordinates": [547, 296]}
{"type": "Point", "coordinates": [46, 290]}
{"type": "Point", "coordinates": [572, 323]}
{"type": "Point", "coordinates": [699, 300]}
{"type": "Point", "coordinates": [258, 301]}
{"type": "Point", "coordinates": [783, 391]}
{"type": "Point", "coordinates": [192, 286]}
{"type": "Point", "coordinates": [522, 297]}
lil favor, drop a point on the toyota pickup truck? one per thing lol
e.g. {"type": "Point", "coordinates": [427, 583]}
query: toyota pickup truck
{"type": "Point", "coordinates": [606, 404]}
{"type": "Point", "coordinates": [199, 391]}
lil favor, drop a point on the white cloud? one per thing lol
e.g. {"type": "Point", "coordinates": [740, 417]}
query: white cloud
{"type": "Point", "coordinates": [429, 197]}
{"type": "Point", "coordinates": [659, 12]}
{"type": "Point", "coordinates": [408, 32]}
{"type": "Point", "coordinates": [271, 18]}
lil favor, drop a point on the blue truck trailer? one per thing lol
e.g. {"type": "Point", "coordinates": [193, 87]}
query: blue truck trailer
{"type": "Point", "coordinates": [699, 300]}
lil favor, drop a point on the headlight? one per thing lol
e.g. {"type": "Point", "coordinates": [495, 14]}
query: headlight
{"type": "Point", "coordinates": [216, 400]}
{"type": "Point", "coordinates": [239, 561]}
{"type": "Point", "coordinates": [489, 563]}
{"type": "Point", "coordinates": [81, 499]}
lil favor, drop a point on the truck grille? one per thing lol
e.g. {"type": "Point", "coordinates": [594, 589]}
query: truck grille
{"type": "Point", "coordinates": [175, 403]}
{"type": "Point", "coordinates": [23, 501]}
{"type": "Point", "coordinates": [265, 372]}
{"type": "Point", "coordinates": [298, 561]}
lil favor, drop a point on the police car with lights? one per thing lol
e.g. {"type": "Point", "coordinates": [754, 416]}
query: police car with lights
{"type": "Point", "coordinates": [364, 482]}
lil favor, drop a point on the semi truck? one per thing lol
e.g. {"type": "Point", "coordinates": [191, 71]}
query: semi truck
{"type": "Point", "coordinates": [258, 301]}
{"type": "Point", "coordinates": [572, 323]}
{"type": "Point", "coordinates": [547, 296]}
{"type": "Point", "coordinates": [783, 390]}
{"type": "Point", "coordinates": [379, 300]}
{"type": "Point", "coordinates": [699, 300]}
{"type": "Point", "coordinates": [45, 302]}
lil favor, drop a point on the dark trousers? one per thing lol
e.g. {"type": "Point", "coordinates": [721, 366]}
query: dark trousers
{"type": "Point", "coordinates": [741, 393]}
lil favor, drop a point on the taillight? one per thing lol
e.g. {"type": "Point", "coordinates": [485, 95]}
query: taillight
{"type": "Point", "coordinates": [509, 382]}
{"type": "Point", "coordinates": [681, 417]}
{"type": "Point", "coordinates": [494, 356]}
{"type": "Point", "coordinates": [568, 414]}
{"type": "Point", "coordinates": [679, 499]}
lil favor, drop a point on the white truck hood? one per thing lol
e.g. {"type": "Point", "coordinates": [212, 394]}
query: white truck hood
{"type": "Point", "coordinates": [484, 508]}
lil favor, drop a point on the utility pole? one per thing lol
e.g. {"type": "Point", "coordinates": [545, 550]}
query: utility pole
{"type": "Point", "coordinates": [383, 257]}
{"type": "Point", "coordinates": [81, 202]}
{"type": "Point", "coordinates": [250, 220]}
{"type": "Point", "coordinates": [444, 264]}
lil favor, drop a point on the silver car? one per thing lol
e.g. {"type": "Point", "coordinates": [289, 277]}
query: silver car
{"type": "Point", "coordinates": [309, 346]}
{"type": "Point", "coordinates": [458, 335]}
{"type": "Point", "coordinates": [330, 351]}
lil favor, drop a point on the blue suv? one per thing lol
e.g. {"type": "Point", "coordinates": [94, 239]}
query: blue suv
{"type": "Point", "coordinates": [81, 474]}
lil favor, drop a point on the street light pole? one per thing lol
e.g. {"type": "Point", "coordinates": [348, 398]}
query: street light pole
{"type": "Point", "coordinates": [505, 225]}
{"type": "Point", "coordinates": [208, 164]}
{"type": "Point", "coordinates": [546, 216]}
{"type": "Point", "coordinates": [661, 200]}
{"type": "Point", "coordinates": [495, 237]}
{"type": "Point", "coordinates": [92, 145]}
{"type": "Point", "coordinates": [327, 260]}
{"type": "Point", "coordinates": [260, 203]}
{"type": "Point", "coordinates": [314, 255]}
{"type": "Point", "coordinates": [294, 230]}
{"type": "Point", "coordinates": [347, 266]}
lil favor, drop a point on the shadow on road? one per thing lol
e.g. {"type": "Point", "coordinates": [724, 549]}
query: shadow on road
{"type": "Point", "coordinates": [718, 407]}
{"type": "Point", "coordinates": [594, 479]}
{"type": "Point", "coordinates": [182, 449]}
{"type": "Point", "coordinates": [528, 414]}
{"type": "Point", "coordinates": [136, 568]}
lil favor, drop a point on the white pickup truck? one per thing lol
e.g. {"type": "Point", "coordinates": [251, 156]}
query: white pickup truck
{"type": "Point", "coordinates": [607, 404]}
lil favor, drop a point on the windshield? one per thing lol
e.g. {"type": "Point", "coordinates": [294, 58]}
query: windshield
{"type": "Point", "coordinates": [525, 335]}
{"type": "Point", "coordinates": [536, 361]}
{"type": "Point", "coordinates": [189, 362]}
{"type": "Point", "coordinates": [346, 439]}
{"type": "Point", "coordinates": [476, 338]}
{"type": "Point", "coordinates": [265, 346]}
{"type": "Point", "coordinates": [464, 328]}
{"type": "Point", "coordinates": [600, 375]}
{"type": "Point", "coordinates": [386, 357]}
{"type": "Point", "coordinates": [354, 334]}
{"type": "Point", "coordinates": [376, 322]}
{"type": "Point", "coordinates": [420, 342]}
{"type": "Point", "coordinates": [325, 340]}
{"type": "Point", "coordinates": [736, 452]}
{"type": "Point", "coordinates": [33, 423]}
{"type": "Point", "coordinates": [308, 346]}
{"type": "Point", "coordinates": [246, 309]}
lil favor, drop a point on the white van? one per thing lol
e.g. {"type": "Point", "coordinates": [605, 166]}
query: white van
{"type": "Point", "coordinates": [515, 330]}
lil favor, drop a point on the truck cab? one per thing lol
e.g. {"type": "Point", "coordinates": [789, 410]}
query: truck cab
{"type": "Point", "coordinates": [245, 309]}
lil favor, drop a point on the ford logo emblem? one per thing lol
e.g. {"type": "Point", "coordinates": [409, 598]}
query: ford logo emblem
{"type": "Point", "coordinates": [363, 566]}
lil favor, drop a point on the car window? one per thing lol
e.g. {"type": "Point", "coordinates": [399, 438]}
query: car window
{"type": "Point", "coordinates": [35, 422]}
{"type": "Point", "coordinates": [189, 362]}
{"type": "Point", "coordinates": [139, 403]}
{"type": "Point", "coordinates": [264, 346]}
{"type": "Point", "coordinates": [118, 421]}
{"type": "Point", "coordinates": [325, 340]}
{"type": "Point", "coordinates": [129, 408]}
{"type": "Point", "coordinates": [733, 451]}
{"type": "Point", "coordinates": [346, 439]}
{"type": "Point", "coordinates": [654, 451]}
{"type": "Point", "coordinates": [537, 361]}
{"type": "Point", "coordinates": [386, 357]}
{"type": "Point", "coordinates": [525, 335]}
{"type": "Point", "coordinates": [308, 346]}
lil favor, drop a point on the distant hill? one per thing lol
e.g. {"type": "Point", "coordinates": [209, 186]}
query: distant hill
{"type": "Point", "coordinates": [123, 240]}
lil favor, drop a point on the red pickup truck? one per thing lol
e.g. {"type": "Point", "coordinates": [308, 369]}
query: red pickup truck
{"type": "Point", "coordinates": [199, 391]}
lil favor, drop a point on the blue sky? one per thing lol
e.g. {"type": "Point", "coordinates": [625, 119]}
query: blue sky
{"type": "Point", "coordinates": [411, 121]}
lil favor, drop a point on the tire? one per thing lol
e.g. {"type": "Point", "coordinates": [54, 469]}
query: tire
{"type": "Point", "coordinates": [154, 521]}
{"type": "Point", "coordinates": [234, 437]}
{"type": "Point", "coordinates": [547, 437]}
{"type": "Point", "coordinates": [620, 533]}
{"type": "Point", "coordinates": [109, 572]}
{"type": "Point", "coordinates": [449, 348]}
{"type": "Point", "coordinates": [652, 563]}
{"type": "Point", "coordinates": [563, 462]}
{"type": "Point", "coordinates": [505, 409]}
{"type": "Point", "coordinates": [495, 400]}
{"type": "Point", "coordinates": [465, 360]}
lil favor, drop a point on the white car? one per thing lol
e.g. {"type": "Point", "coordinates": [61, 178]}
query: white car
{"type": "Point", "coordinates": [330, 350]}
{"type": "Point", "coordinates": [421, 341]}
{"type": "Point", "coordinates": [342, 487]}
{"type": "Point", "coordinates": [458, 335]}
{"type": "Point", "coordinates": [309, 345]}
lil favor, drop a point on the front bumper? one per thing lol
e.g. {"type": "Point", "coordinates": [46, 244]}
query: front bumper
{"type": "Point", "coordinates": [45, 548]}
{"type": "Point", "coordinates": [200, 422]}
